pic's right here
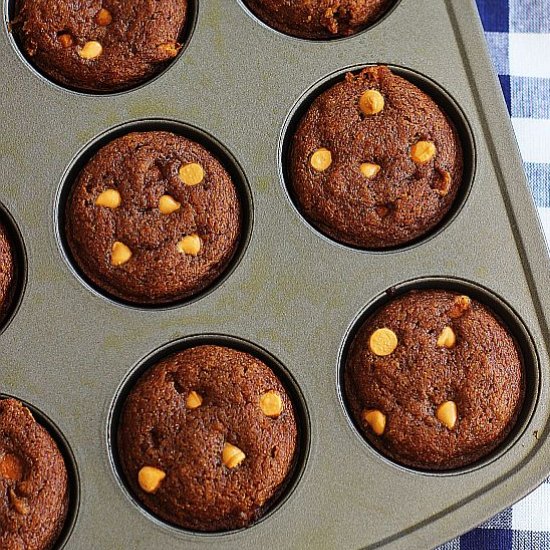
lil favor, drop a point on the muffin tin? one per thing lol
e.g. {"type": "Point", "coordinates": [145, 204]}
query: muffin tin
{"type": "Point", "coordinates": [70, 351]}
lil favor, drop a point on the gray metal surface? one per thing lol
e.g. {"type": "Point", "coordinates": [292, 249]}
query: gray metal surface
{"type": "Point", "coordinates": [295, 293]}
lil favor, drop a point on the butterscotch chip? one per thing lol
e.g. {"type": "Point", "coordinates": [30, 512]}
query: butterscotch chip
{"type": "Point", "coordinates": [271, 404]}
{"type": "Point", "coordinates": [190, 244]}
{"type": "Point", "coordinates": [103, 17]}
{"type": "Point", "coordinates": [150, 478]}
{"type": "Point", "coordinates": [20, 504]}
{"type": "Point", "coordinates": [193, 401]}
{"type": "Point", "coordinates": [168, 205]}
{"type": "Point", "coordinates": [445, 409]}
{"type": "Point", "coordinates": [321, 159]}
{"type": "Point", "coordinates": [376, 420]}
{"type": "Point", "coordinates": [447, 414]}
{"type": "Point", "coordinates": [170, 49]}
{"type": "Point", "coordinates": [66, 40]}
{"type": "Point", "coordinates": [423, 152]}
{"type": "Point", "coordinates": [460, 306]}
{"type": "Point", "coordinates": [444, 184]}
{"type": "Point", "coordinates": [120, 254]}
{"type": "Point", "coordinates": [232, 456]}
{"type": "Point", "coordinates": [110, 198]}
{"type": "Point", "coordinates": [446, 338]}
{"type": "Point", "coordinates": [90, 50]}
{"type": "Point", "coordinates": [369, 170]}
{"type": "Point", "coordinates": [383, 341]}
{"type": "Point", "coordinates": [191, 173]}
{"type": "Point", "coordinates": [371, 102]}
{"type": "Point", "coordinates": [11, 467]}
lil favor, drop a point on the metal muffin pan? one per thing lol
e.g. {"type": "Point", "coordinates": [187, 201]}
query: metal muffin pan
{"type": "Point", "coordinates": [69, 351]}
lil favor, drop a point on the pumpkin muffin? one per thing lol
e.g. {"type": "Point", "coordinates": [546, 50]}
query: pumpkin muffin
{"type": "Point", "coordinates": [34, 494]}
{"type": "Point", "coordinates": [153, 218]}
{"type": "Point", "coordinates": [100, 45]}
{"type": "Point", "coordinates": [207, 438]}
{"type": "Point", "coordinates": [434, 380]}
{"type": "Point", "coordinates": [319, 19]}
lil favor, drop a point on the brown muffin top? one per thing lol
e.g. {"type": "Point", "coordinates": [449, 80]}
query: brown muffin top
{"type": "Point", "coordinates": [375, 162]}
{"type": "Point", "coordinates": [33, 482]}
{"type": "Point", "coordinates": [319, 19]}
{"type": "Point", "coordinates": [153, 218]}
{"type": "Point", "coordinates": [100, 45]}
{"type": "Point", "coordinates": [221, 430]}
{"type": "Point", "coordinates": [434, 380]}
{"type": "Point", "coordinates": [6, 274]}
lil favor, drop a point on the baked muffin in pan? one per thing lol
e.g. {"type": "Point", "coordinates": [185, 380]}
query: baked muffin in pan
{"type": "Point", "coordinates": [375, 162]}
{"type": "Point", "coordinates": [434, 380]}
{"type": "Point", "coordinates": [208, 438]}
{"type": "Point", "coordinates": [100, 45]}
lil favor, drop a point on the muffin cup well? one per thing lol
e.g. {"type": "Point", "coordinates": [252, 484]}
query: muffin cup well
{"type": "Point", "coordinates": [70, 464]}
{"type": "Point", "coordinates": [184, 39]}
{"type": "Point", "coordinates": [227, 160]}
{"type": "Point", "coordinates": [503, 312]}
{"type": "Point", "coordinates": [440, 96]}
{"type": "Point", "coordinates": [288, 382]}
{"type": "Point", "coordinates": [335, 38]}
{"type": "Point", "coordinates": [20, 267]}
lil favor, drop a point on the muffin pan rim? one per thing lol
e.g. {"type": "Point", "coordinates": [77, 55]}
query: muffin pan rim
{"type": "Point", "coordinates": [456, 114]}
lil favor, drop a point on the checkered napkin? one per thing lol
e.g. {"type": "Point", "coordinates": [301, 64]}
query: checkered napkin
{"type": "Point", "coordinates": [518, 33]}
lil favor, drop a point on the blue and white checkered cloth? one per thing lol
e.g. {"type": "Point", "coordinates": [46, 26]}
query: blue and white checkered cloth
{"type": "Point", "coordinates": [518, 33]}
